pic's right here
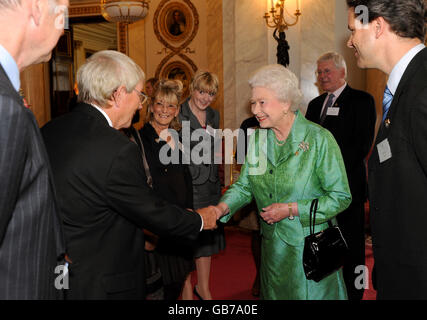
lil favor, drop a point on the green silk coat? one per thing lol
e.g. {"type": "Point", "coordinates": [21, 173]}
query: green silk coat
{"type": "Point", "coordinates": [308, 166]}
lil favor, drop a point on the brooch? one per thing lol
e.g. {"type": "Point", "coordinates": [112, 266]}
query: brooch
{"type": "Point", "coordinates": [304, 146]}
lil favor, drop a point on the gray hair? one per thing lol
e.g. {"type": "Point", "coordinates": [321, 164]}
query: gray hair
{"type": "Point", "coordinates": [281, 81]}
{"type": "Point", "coordinates": [103, 73]}
{"type": "Point", "coordinates": [336, 58]}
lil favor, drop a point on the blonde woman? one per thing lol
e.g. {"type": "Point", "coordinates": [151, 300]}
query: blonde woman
{"type": "Point", "coordinates": [203, 120]}
{"type": "Point", "coordinates": [171, 181]}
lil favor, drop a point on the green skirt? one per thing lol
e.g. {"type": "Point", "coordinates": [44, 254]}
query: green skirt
{"type": "Point", "coordinates": [283, 278]}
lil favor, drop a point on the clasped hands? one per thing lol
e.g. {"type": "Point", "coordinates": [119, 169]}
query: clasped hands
{"type": "Point", "coordinates": [275, 212]}
{"type": "Point", "coordinates": [211, 214]}
{"type": "Point", "coordinates": [270, 214]}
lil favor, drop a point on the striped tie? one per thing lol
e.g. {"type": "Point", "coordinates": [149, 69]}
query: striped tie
{"type": "Point", "coordinates": [387, 99]}
{"type": "Point", "coordinates": [325, 110]}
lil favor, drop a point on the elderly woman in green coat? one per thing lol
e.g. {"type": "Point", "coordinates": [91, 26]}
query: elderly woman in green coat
{"type": "Point", "coordinates": [290, 162]}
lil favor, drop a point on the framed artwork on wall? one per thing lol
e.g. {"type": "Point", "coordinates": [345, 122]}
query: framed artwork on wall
{"type": "Point", "coordinates": [178, 70]}
{"type": "Point", "coordinates": [176, 21]}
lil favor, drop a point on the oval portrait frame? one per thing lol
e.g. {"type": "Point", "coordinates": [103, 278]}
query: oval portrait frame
{"type": "Point", "coordinates": [182, 29]}
{"type": "Point", "coordinates": [178, 70]}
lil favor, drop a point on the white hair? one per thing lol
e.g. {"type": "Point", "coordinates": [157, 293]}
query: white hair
{"type": "Point", "coordinates": [281, 81]}
{"type": "Point", "coordinates": [336, 58]}
{"type": "Point", "coordinates": [103, 73]}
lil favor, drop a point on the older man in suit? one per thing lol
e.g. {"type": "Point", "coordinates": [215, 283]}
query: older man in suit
{"type": "Point", "coordinates": [389, 35]}
{"type": "Point", "coordinates": [31, 241]}
{"type": "Point", "coordinates": [349, 115]}
{"type": "Point", "coordinates": [102, 186]}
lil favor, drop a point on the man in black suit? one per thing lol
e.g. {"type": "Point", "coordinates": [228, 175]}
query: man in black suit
{"type": "Point", "coordinates": [390, 38]}
{"type": "Point", "coordinates": [349, 115]}
{"type": "Point", "coordinates": [31, 240]}
{"type": "Point", "coordinates": [102, 186]}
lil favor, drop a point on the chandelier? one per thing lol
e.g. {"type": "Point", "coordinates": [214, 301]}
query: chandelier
{"type": "Point", "coordinates": [123, 10]}
{"type": "Point", "coordinates": [278, 15]}
{"type": "Point", "coordinates": [280, 24]}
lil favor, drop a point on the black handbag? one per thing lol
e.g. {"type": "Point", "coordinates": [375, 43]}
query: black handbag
{"type": "Point", "coordinates": [324, 251]}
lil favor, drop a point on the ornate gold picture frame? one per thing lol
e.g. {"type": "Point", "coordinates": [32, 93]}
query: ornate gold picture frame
{"type": "Point", "coordinates": [176, 21]}
{"type": "Point", "coordinates": [178, 70]}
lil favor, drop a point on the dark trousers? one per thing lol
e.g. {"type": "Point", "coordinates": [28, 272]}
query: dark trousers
{"type": "Point", "coordinates": [352, 225]}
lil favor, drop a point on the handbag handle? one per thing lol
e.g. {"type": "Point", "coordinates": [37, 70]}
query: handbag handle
{"type": "Point", "coordinates": [313, 210]}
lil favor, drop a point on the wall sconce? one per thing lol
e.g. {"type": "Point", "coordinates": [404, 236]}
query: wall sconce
{"type": "Point", "coordinates": [123, 10]}
{"type": "Point", "coordinates": [279, 23]}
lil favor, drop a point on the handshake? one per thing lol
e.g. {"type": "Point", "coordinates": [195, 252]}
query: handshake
{"type": "Point", "coordinates": [211, 214]}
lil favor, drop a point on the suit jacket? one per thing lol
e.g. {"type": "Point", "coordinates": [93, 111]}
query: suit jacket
{"type": "Point", "coordinates": [353, 129]}
{"type": "Point", "coordinates": [31, 242]}
{"type": "Point", "coordinates": [398, 189]}
{"type": "Point", "coordinates": [106, 201]}
{"type": "Point", "coordinates": [205, 175]}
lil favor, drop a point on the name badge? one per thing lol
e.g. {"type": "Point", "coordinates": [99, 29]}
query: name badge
{"type": "Point", "coordinates": [384, 151]}
{"type": "Point", "coordinates": [333, 111]}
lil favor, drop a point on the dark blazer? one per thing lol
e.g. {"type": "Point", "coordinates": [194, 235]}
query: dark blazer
{"type": "Point", "coordinates": [398, 190]}
{"type": "Point", "coordinates": [106, 201]}
{"type": "Point", "coordinates": [180, 192]}
{"type": "Point", "coordinates": [353, 129]}
{"type": "Point", "coordinates": [205, 176]}
{"type": "Point", "coordinates": [31, 242]}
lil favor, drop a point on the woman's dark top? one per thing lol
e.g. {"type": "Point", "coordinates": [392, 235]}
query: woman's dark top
{"type": "Point", "coordinates": [173, 183]}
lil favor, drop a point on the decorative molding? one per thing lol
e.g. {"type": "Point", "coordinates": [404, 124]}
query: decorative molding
{"type": "Point", "coordinates": [159, 24]}
{"type": "Point", "coordinates": [189, 61]}
{"type": "Point", "coordinates": [94, 9]}
{"type": "Point", "coordinates": [85, 10]}
{"type": "Point", "coordinates": [177, 44]}
{"type": "Point", "coordinates": [178, 70]}
{"type": "Point", "coordinates": [122, 38]}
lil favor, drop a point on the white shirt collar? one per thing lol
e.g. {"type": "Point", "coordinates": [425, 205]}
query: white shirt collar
{"type": "Point", "coordinates": [103, 113]}
{"type": "Point", "coordinates": [399, 69]}
{"type": "Point", "coordinates": [337, 92]}
{"type": "Point", "coordinates": [10, 67]}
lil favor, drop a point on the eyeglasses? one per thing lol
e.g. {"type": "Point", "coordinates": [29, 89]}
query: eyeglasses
{"type": "Point", "coordinates": [142, 96]}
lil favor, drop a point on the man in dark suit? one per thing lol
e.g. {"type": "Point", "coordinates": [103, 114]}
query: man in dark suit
{"type": "Point", "coordinates": [390, 38]}
{"type": "Point", "coordinates": [102, 186]}
{"type": "Point", "coordinates": [31, 240]}
{"type": "Point", "coordinates": [349, 115]}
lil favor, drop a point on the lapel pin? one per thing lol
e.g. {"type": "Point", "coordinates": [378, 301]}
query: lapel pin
{"type": "Point", "coordinates": [387, 123]}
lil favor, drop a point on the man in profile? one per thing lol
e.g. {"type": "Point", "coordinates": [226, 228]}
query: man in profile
{"type": "Point", "coordinates": [102, 186]}
{"type": "Point", "coordinates": [389, 35]}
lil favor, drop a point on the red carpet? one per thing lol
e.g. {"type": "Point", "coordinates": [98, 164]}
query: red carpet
{"type": "Point", "coordinates": [233, 270]}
